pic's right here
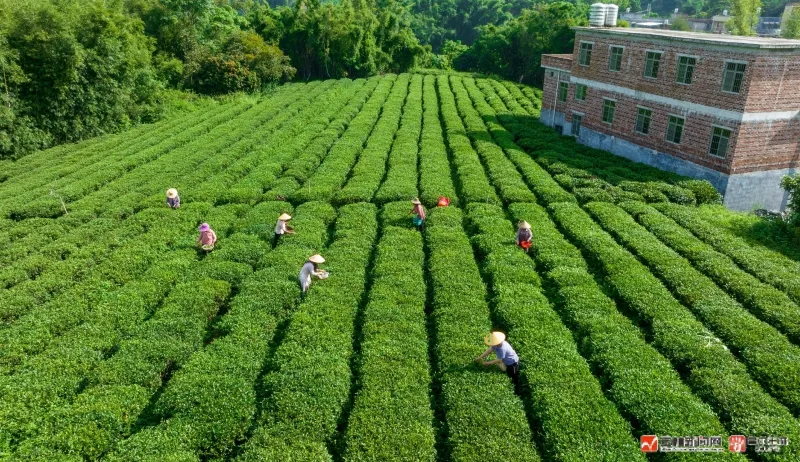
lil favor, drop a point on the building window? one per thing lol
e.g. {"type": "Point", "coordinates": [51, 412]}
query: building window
{"type": "Point", "coordinates": [685, 69]}
{"type": "Point", "coordinates": [652, 61]}
{"type": "Point", "coordinates": [586, 54]}
{"type": "Point", "coordinates": [615, 59]}
{"type": "Point", "coordinates": [733, 77]}
{"type": "Point", "coordinates": [563, 87]}
{"type": "Point", "coordinates": [675, 129]}
{"type": "Point", "coordinates": [608, 111]}
{"type": "Point", "coordinates": [576, 124]}
{"type": "Point", "coordinates": [643, 117]}
{"type": "Point", "coordinates": [720, 138]}
{"type": "Point", "coordinates": [580, 92]}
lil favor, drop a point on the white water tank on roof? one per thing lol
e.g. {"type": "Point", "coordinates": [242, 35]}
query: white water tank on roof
{"type": "Point", "coordinates": [597, 15]}
{"type": "Point", "coordinates": [611, 15]}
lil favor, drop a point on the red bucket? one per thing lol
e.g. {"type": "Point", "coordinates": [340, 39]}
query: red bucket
{"type": "Point", "coordinates": [443, 201]}
{"type": "Point", "coordinates": [525, 245]}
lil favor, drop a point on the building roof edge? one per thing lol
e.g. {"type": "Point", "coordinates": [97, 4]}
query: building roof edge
{"type": "Point", "coordinates": [761, 43]}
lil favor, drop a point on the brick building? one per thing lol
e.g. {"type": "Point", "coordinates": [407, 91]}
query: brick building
{"type": "Point", "coordinates": [721, 108]}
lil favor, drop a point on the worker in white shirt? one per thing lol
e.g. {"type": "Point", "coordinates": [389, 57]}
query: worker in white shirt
{"type": "Point", "coordinates": [282, 228]}
{"type": "Point", "coordinates": [311, 268]}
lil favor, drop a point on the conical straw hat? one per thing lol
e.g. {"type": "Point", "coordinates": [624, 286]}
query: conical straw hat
{"type": "Point", "coordinates": [317, 258]}
{"type": "Point", "coordinates": [525, 225]}
{"type": "Point", "coordinates": [415, 201]}
{"type": "Point", "coordinates": [284, 217]}
{"type": "Point", "coordinates": [172, 193]}
{"type": "Point", "coordinates": [494, 339]}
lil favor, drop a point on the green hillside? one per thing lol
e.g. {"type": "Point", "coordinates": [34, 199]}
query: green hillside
{"type": "Point", "coordinates": [642, 308]}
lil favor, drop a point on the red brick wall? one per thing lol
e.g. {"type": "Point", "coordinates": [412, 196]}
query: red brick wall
{"type": "Point", "coordinates": [696, 129]}
{"type": "Point", "coordinates": [772, 84]}
{"type": "Point", "coordinates": [761, 90]}
{"type": "Point", "coordinates": [767, 146]}
{"type": "Point", "coordinates": [558, 61]}
{"type": "Point", "coordinates": [550, 89]}
{"type": "Point", "coordinates": [706, 86]}
{"type": "Point", "coordinates": [775, 84]}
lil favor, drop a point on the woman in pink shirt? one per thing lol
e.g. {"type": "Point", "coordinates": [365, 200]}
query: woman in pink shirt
{"type": "Point", "coordinates": [207, 237]}
{"type": "Point", "coordinates": [419, 214]}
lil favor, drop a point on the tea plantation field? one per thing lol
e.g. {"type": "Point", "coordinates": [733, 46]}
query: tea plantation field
{"type": "Point", "coordinates": [633, 313]}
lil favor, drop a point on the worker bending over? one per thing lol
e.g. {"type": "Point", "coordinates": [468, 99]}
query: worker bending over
{"type": "Point", "coordinates": [282, 228]}
{"type": "Point", "coordinates": [524, 235]}
{"type": "Point", "coordinates": [173, 201]}
{"type": "Point", "coordinates": [207, 237]}
{"type": "Point", "coordinates": [311, 268]}
{"type": "Point", "coordinates": [507, 359]}
{"type": "Point", "coordinates": [419, 214]}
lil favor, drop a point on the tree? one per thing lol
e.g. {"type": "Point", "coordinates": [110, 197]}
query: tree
{"type": "Point", "coordinates": [18, 133]}
{"type": "Point", "coordinates": [792, 27]}
{"type": "Point", "coordinates": [73, 69]}
{"type": "Point", "coordinates": [514, 50]}
{"type": "Point", "coordinates": [693, 7]}
{"type": "Point", "coordinates": [791, 184]}
{"type": "Point", "coordinates": [355, 38]}
{"type": "Point", "coordinates": [680, 24]}
{"type": "Point", "coordinates": [712, 7]}
{"type": "Point", "coordinates": [450, 52]}
{"type": "Point", "coordinates": [435, 21]}
{"type": "Point", "coordinates": [745, 17]}
{"type": "Point", "coordinates": [247, 63]}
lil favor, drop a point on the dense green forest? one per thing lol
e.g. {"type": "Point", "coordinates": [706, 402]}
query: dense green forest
{"type": "Point", "coordinates": [73, 69]}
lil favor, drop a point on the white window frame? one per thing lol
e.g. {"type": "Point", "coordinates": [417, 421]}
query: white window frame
{"type": "Point", "coordinates": [711, 141]}
{"type": "Point", "coordinates": [683, 129]}
{"type": "Point", "coordinates": [678, 67]}
{"type": "Point", "coordinates": [620, 58]}
{"type": "Point", "coordinates": [580, 51]}
{"type": "Point", "coordinates": [636, 121]}
{"type": "Point", "coordinates": [660, 63]}
{"type": "Point", "coordinates": [558, 92]}
{"type": "Point", "coordinates": [725, 68]}
{"type": "Point", "coordinates": [586, 92]}
{"type": "Point", "coordinates": [572, 125]}
{"type": "Point", "coordinates": [603, 113]}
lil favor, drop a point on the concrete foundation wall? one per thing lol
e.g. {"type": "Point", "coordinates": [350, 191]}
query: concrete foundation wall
{"type": "Point", "coordinates": [652, 157]}
{"type": "Point", "coordinates": [757, 190]}
{"type": "Point", "coordinates": [553, 118]}
{"type": "Point", "coordinates": [742, 192]}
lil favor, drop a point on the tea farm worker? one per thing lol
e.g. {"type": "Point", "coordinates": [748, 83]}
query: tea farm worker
{"type": "Point", "coordinates": [172, 198]}
{"type": "Point", "coordinates": [507, 359]}
{"type": "Point", "coordinates": [207, 237]}
{"type": "Point", "coordinates": [281, 228]}
{"type": "Point", "coordinates": [524, 235]}
{"type": "Point", "coordinates": [419, 213]}
{"type": "Point", "coordinates": [311, 268]}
